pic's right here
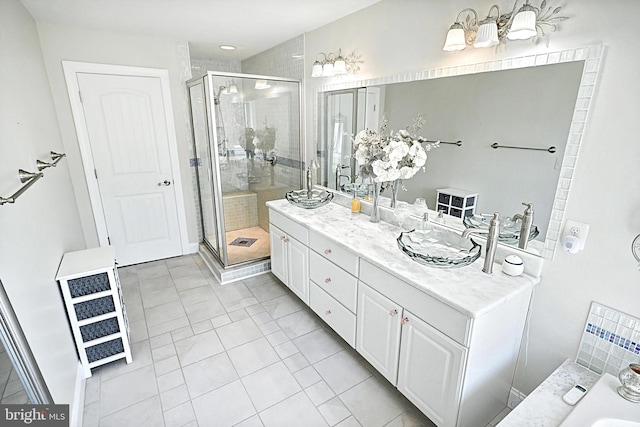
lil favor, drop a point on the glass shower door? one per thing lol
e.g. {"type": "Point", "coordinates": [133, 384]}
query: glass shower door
{"type": "Point", "coordinates": [204, 164]}
{"type": "Point", "coordinates": [247, 142]}
{"type": "Point", "coordinates": [257, 123]}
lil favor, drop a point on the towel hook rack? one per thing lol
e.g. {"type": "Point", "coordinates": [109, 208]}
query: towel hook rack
{"type": "Point", "coordinates": [25, 177]}
{"type": "Point", "coordinates": [458, 143]}
{"type": "Point", "coordinates": [55, 158]}
{"type": "Point", "coordinates": [29, 178]}
{"type": "Point", "coordinates": [551, 149]}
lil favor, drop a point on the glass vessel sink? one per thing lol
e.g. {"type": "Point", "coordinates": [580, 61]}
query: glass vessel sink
{"type": "Point", "coordinates": [301, 198]}
{"type": "Point", "coordinates": [439, 248]}
{"type": "Point", "coordinates": [509, 229]}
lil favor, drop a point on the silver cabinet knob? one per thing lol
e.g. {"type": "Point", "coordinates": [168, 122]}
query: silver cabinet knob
{"type": "Point", "coordinates": [164, 183]}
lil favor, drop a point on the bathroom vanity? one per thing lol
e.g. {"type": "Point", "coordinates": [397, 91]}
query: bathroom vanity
{"type": "Point", "coordinates": [448, 339]}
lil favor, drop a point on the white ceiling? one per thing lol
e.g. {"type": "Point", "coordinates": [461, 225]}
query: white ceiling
{"type": "Point", "coordinates": [250, 25]}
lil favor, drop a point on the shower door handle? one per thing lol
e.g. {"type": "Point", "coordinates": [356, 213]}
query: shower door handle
{"type": "Point", "coordinates": [164, 183]}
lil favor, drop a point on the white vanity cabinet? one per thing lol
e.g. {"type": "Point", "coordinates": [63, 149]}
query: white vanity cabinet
{"type": "Point", "coordinates": [290, 254]}
{"type": "Point", "coordinates": [430, 370]}
{"type": "Point", "coordinates": [333, 285]}
{"type": "Point", "coordinates": [447, 339]}
{"type": "Point", "coordinates": [425, 365]}
{"type": "Point", "coordinates": [378, 337]}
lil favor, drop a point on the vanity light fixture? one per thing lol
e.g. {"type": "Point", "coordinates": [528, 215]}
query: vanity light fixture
{"type": "Point", "coordinates": [332, 65]}
{"type": "Point", "coordinates": [262, 84]}
{"type": "Point", "coordinates": [521, 25]}
{"type": "Point", "coordinates": [233, 88]}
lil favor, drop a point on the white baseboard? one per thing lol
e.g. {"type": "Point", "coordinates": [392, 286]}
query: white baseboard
{"type": "Point", "coordinates": [76, 409]}
{"type": "Point", "coordinates": [515, 398]}
{"type": "Point", "coordinates": [193, 248]}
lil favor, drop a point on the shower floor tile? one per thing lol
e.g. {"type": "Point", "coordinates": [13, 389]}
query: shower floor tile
{"type": "Point", "coordinates": [258, 249]}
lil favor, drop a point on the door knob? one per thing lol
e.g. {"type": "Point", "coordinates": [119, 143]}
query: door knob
{"type": "Point", "coordinates": [164, 183]}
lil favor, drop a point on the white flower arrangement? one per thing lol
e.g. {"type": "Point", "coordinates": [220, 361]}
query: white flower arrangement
{"type": "Point", "coordinates": [391, 157]}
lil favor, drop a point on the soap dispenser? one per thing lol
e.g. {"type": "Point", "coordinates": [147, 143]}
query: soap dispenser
{"type": "Point", "coordinates": [355, 202]}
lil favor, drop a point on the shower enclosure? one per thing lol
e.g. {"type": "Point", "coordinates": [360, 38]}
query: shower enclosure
{"type": "Point", "coordinates": [345, 113]}
{"type": "Point", "coordinates": [247, 146]}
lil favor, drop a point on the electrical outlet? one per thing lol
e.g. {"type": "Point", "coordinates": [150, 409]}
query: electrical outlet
{"type": "Point", "coordinates": [577, 229]}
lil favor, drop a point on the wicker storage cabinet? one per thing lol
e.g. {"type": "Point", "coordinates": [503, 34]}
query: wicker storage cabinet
{"type": "Point", "coordinates": [92, 296]}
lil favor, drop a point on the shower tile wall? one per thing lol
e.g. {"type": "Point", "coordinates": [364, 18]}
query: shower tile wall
{"type": "Point", "coordinates": [200, 66]}
{"type": "Point", "coordinates": [283, 60]}
{"type": "Point", "coordinates": [240, 210]}
{"type": "Point", "coordinates": [610, 340]}
{"type": "Point", "coordinates": [184, 60]}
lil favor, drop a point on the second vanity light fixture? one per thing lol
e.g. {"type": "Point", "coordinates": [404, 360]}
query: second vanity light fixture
{"type": "Point", "coordinates": [495, 28]}
{"type": "Point", "coordinates": [332, 65]}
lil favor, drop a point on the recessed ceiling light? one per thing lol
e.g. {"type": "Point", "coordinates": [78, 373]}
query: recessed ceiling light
{"type": "Point", "coordinates": [227, 47]}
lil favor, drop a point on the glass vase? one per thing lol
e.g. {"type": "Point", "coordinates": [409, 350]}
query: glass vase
{"type": "Point", "coordinates": [395, 187]}
{"type": "Point", "coordinates": [630, 379]}
{"type": "Point", "coordinates": [375, 211]}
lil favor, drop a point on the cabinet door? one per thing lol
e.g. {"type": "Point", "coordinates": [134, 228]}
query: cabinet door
{"type": "Point", "coordinates": [298, 268]}
{"type": "Point", "coordinates": [378, 333]}
{"type": "Point", "coordinates": [430, 371]}
{"type": "Point", "coordinates": [277, 239]}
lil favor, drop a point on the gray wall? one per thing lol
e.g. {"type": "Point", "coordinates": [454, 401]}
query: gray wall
{"type": "Point", "coordinates": [481, 109]}
{"type": "Point", "coordinates": [85, 45]}
{"type": "Point", "coordinates": [399, 36]}
{"type": "Point", "coordinates": [44, 223]}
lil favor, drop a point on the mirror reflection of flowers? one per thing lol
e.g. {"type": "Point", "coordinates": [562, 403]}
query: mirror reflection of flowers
{"type": "Point", "coordinates": [391, 156]}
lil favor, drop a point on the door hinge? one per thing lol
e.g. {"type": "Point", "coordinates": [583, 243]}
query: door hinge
{"type": "Point", "coordinates": [95, 172]}
{"type": "Point", "coordinates": [80, 96]}
{"type": "Point", "coordinates": [109, 240]}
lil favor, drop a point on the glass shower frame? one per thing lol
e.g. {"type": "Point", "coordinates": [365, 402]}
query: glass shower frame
{"type": "Point", "coordinates": [207, 162]}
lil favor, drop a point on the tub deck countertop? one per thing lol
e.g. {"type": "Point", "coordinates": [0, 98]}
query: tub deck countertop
{"type": "Point", "coordinates": [544, 405]}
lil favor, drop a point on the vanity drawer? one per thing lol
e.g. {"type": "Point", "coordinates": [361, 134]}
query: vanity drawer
{"type": "Point", "coordinates": [333, 313]}
{"type": "Point", "coordinates": [334, 252]}
{"type": "Point", "coordinates": [439, 315]}
{"type": "Point", "coordinates": [334, 280]}
{"type": "Point", "coordinates": [292, 228]}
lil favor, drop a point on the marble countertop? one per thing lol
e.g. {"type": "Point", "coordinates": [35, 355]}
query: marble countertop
{"type": "Point", "coordinates": [544, 406]}
{"type": "Point", "coordinates": [467, 289]}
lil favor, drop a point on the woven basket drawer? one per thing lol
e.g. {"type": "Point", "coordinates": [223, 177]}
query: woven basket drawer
{"type": "Point", "coordinates": [89, 285]}
{"type": "Point", "coordinates": [104, 350]}
{"type": "Point", "coordinates": [95, 307]}
{"type": "Point", "coordinates": [99, 329]}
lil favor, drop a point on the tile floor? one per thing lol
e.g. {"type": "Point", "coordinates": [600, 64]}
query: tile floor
{"type": "Point", "coordinates": [244, 354]}
{"type": "Point", "coordinates": [11, 388]}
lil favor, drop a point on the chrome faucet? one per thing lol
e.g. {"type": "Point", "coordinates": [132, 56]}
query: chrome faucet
{"type": "Point", "coordinates": [339, 175]}
{"type": "Point", "coordinates": [492, 241]}
{"type": "Point", "coordinates": [309, 182]}
{"type": "Point", "coordinates": [527, 223]}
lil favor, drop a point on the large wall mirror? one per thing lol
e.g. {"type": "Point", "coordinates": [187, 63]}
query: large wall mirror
{"type": "Point", "coordinates": [536, 103]}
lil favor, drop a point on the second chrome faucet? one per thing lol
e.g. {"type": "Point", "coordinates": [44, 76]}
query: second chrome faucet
{"type": "Point", "coordinates": [492, 241]}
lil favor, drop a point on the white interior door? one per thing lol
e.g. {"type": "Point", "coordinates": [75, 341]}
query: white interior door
{"type": "Point", "coordinates": [126, 125]}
